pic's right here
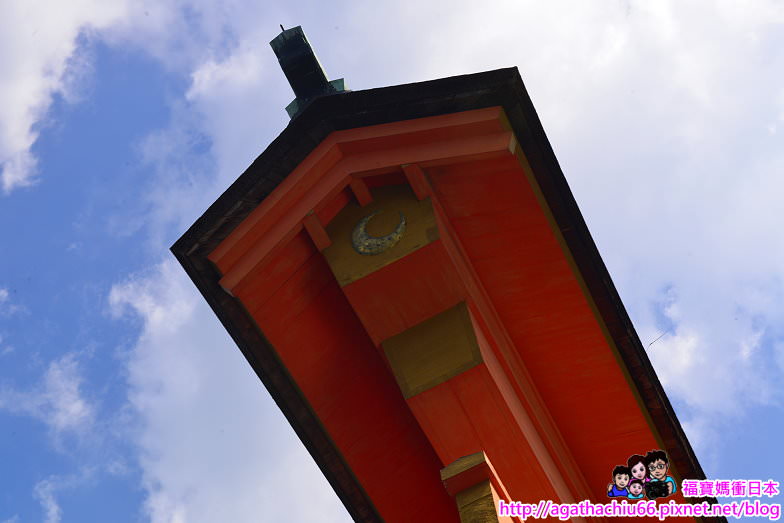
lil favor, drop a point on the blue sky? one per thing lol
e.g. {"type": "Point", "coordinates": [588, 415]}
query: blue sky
{"type": "Point", "coordinates": [122, 398]}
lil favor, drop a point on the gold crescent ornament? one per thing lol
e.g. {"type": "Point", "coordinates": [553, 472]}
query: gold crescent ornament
{"type": "Point", "coordinates": [368, 245]}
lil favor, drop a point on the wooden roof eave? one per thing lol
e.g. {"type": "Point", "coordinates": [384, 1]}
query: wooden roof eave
{"type": "Point", "coordinates": [342, 111]}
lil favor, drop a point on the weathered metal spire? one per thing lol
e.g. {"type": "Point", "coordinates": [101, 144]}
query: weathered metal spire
{"type": "Point", "coordinates": [302, 69]}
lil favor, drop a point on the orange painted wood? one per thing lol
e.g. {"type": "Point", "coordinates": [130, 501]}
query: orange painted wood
{"type": "Point", "coordinates": [565, 479]}
{"type": "Point", "coordinates": [270, 232]}
{"type": "Point", "coordinates": [328, 154]}
{"type": "Point", "coordinates": [298, 182]}
{"type": "Point", "coordinates": [330, 207]}
{"type": "Point", "coordinates": [511, 365]}
{"type": "Point", "coordinates": [444, 150]}
{"type": "Point", "coordinates": [471, 400]}
{"type": "Point", "coordinates": [447, 126]}
{"type": "Point", "coordinates": [361, 191]}
{"type": "Point", "coordinates": [499, 251]}
{"type": "Point", "coordinates": [468, 477]}
{"type": "Point", "coordinates": [406, 292]}
{"type": "Point", "coordinates": [416, 178]}
{"type": "Point", "coordinates": [507, 237]}
{"type": "Point", "coordinates": [477, 409]}
{"type": "Point", "coordinates": [316, 232]}
{"type": "Point", "coordinates": [479, 472]}
{"type": "Point", "coordinates": [413, 289]}
{"type": "Point", "coordinates": [268, 278]}
{"type": "Point", "coordinates": [375, 179]}
{"type": "Point", "coordinates": [325, 349]}
{"type": "Point", "coordinates": [260, 245]}
{"type": "Point", "coordinates": [413, 138]}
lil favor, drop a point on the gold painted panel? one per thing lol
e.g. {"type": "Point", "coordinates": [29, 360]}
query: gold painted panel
{"type": "Point", "coordinates": [477, 504]}
{"type": "Point", "coordinates": [389, 203]}
{"type": "Point", "coordinates": [433, 351]}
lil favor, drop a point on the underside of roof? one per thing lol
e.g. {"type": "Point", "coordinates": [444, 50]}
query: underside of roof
{"type": "Point", "coordinates": [349, 110]}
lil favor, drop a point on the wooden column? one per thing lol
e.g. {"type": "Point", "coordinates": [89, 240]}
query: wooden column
{"type": "Point", "coordinates": [476, 488]}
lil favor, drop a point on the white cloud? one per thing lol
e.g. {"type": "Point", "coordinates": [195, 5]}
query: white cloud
{"type": "Point", "coordinates": [183, 180]}
{"type": "Point", "coordinates": [5, 349]}
{"type": "Point", "coordinates": [40, 57]}
{"type": "Point", "coordinates": [37, 43]}
{"type": "Point", "coordinates": [7, 307]}
{"type": "Point", "coordinates": [240, 70]}
{"type": "Point", "coordinates": [44, 492]}
{"type": "Point", "coordinates": [66, 408]}
{"type": "Point", "coordinates": [57, 400]}
{"type": "Point", "coordinates": [213, 446]}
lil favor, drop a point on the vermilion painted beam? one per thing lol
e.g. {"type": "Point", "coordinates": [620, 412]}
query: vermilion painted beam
{"type": "Point", "coordinates": [267, 234]}
{"type": "Point", "coordinates": [361, 191]}
{"type": "Point", "coordinates": [335, 179]}
{"type": "Point", "coordinates": [324, 348]}
{"type": "Point", "coordinates": [508, 369]}
{"type": "Point", "coordinates": [509, 362]}
{"type": "Point", "coordinates": [322, 159]}
{"type": "Point", "coordinates": [261, 238]}
{"type": "Point", "coordinates": [316, 231]}
{"type": "Point", "coordinates": [416, 179]}
{"type": "Point", "coordinates": [475, 472]}
{"type": "Point", "coordinates": [326, 155]}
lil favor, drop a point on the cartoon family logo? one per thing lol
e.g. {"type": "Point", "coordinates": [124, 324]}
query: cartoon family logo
{"type": "Point", "coordinates": [643, 476]}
